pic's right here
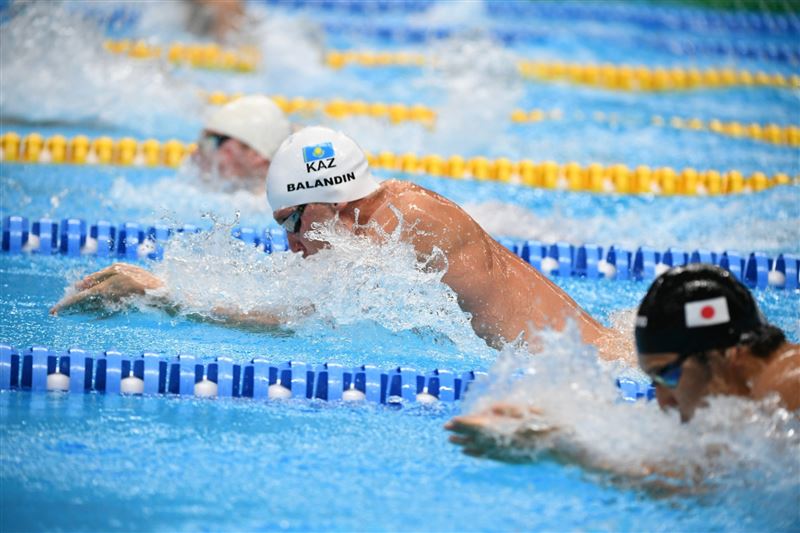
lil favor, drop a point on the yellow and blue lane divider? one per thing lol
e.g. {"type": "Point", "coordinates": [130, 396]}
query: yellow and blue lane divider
{"type": "Point", "coordinates": [605, 75]}
{"type": "Point", "coordinates": [73, 237]}
{"type": "Point", "coordinates": [617, 178]}
{"type": "Point", "coordinates": [81, 150]}
{"type": "Point", "coordinates": [339, 108]}
{"type": "Point", "coordinates": [206, 56]}
{"type": "Point", "coordinates": [773, 133]}
{"type": "Point", "coordinates": [40, 369]}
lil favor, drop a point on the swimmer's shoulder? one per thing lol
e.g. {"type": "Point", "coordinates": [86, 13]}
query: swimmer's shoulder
{"type": "Point", "coordinates": [401, 194]}
{"type": "Point", "coordinates": [782, 376]}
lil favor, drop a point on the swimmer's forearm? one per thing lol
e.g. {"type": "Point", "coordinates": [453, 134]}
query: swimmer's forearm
{"type": "Point", "coordinates": [255, 318]}
{"type": "Point", "coordinates": [236, 317]}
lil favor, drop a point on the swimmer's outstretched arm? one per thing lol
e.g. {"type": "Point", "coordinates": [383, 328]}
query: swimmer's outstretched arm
{"type": "Point", "coordinates": [121, 280]}
{"type": "Point", "coordinates": [515, 434]}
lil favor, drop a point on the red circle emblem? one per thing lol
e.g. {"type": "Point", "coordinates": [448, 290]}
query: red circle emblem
{"type": "Point", "coordinates": [707, 312]}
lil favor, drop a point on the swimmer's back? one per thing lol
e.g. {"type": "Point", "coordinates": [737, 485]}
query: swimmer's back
{"type": "Point", "coordinates": [781, 376]}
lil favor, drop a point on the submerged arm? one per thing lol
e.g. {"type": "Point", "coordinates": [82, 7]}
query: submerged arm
{"type": "Point", "coordinates": [514, 434]}
{"type": "Point", "coordinates": [121, 281]}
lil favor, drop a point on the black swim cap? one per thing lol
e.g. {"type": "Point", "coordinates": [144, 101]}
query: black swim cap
{"type": "Point", "coordinates": [695, 308]}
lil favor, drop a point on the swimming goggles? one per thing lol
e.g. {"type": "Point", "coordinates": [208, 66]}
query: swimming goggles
{"type": "Point", "coordinates": [212, 141]}
{"type": "Point", "coordinates": [670, 375]}
{"type": "Point", "coordinates": [292, 223]}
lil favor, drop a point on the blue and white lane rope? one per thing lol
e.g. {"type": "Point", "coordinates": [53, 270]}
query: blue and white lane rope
{"type": "Point", "coordinates": [40, 369]}
{"type": "Point", "coordinates": [73, 237]}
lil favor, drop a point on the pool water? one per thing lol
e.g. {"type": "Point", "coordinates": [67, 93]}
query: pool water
{"type": "Point", "coordinates": [95, 462]}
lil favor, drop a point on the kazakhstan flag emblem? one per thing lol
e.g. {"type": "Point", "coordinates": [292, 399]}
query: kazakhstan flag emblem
{"type": "Point", "coordinates": [317, 152]}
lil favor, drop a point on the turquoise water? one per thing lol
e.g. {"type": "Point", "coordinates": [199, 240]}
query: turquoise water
{"type": "Point", "coordinates": [96, 463]}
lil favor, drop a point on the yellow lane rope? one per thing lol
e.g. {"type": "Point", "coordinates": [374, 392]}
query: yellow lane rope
{"type": "Point", "coordinates": [765, 132]}
{"type": "Point", "coordinates": [207, 56]}
{"type": "Point", "coordinates": [606, 75]}
{"type": "Point", "coordinates": [339, 108]}
{"type": "Point", "coordinates": [79, 150]}
{"type": "Point", "coordinates": [642, 78]}
{"type": "Point", "coordinates": [397, 113]}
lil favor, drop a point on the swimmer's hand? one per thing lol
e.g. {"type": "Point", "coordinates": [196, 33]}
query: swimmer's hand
{"type": "Point", "coordinates": [111, 284]}
{"type": "Point", "coordinates": [504, 432]}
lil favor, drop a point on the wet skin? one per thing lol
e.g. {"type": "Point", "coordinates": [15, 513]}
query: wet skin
{"type": "Point", "coordinates": [734, 371]}
{"type": "Point", "coordinates": [505, 296]}
{"type": "Point", "coordinates": [233, 160]}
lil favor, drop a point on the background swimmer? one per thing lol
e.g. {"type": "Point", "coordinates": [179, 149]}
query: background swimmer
{"type": "Point", "coordinates": [221, 19]}
{"type": "Point", "coordinates": [319, 175]}
{"type": "Point", "coordinates": [699, 333]}
{"type": "Point", "coordinates": [239, 140]}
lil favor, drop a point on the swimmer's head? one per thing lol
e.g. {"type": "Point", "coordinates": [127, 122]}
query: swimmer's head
{"type": "Point", "coordinates": [698, 333]}
{"type": "Point", "coordinates": [240, 138]}
{"type": "Point", "coordinates": [693, 309]}
{"type": "Point", "coordinates": [256, 121]}
{"type": "Point", "coordinates": [318, 165]}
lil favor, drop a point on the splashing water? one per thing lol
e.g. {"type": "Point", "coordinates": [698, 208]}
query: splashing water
{"type": "Point", "coordinates": [76, 80]}
{"type": "Point", "coordinates": [733, 443]}
{"type": "Point", "coordinates": [473, 71]}
{"type": "Point", "coordinates": [354, 281]}
{"type": "Point", "coordinates": [184, 196]}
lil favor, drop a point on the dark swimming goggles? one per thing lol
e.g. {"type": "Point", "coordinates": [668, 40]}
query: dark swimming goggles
{"type": "Point", "coordinates": [215, 140]}
{"type": "Point", "coordinates": [670, 375]}
{"type": "Point", "coordinates": [292, 223]}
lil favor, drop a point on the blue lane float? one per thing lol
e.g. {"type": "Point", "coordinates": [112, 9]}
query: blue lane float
{"type": "Point", "coordinates": [509, 36]}
{"type": "Point", "coordinates": [651, 17]}
{"type": "Point", "coordinates": [74, 237]}
{"type": "Point", "coordinates": [355, 7]}
{"type": "Point", "coordinates": [36, 369]}
{"type": "Point", "coordinates": [40, 369]}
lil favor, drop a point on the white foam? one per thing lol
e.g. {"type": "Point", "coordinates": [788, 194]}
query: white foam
{"type": "Point", "coordinates": [61, 71]}
{"type": "Point", "coordinates": [733, 439]}
{"type": "Point", "coordinates": [354, 281]}
{"type": "Point", "coordinates": [183, 196]}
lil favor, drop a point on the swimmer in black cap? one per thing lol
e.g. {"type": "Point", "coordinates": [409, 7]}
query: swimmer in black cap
{"type": "Point", "coordinates": [699, 333]}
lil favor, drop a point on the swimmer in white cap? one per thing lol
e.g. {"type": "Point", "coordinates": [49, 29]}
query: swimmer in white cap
{"type": "Point", "coordinates": [239, 140]}
{"type": "Point", "coordinates": [318, 174]}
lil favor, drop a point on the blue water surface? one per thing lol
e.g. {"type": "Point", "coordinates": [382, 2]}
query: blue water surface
{"type": "Point", "coordinates": [100, 463]}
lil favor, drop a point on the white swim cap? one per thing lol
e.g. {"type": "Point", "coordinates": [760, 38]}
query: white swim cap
{"type": "Point", "coordinates": [254, 120]}
{"type": "Point", "coordinates": [318, 165]}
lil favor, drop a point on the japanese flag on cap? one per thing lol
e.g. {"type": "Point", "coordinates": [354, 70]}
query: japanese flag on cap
{"type": "Point", "coordinates": [711, 312]}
